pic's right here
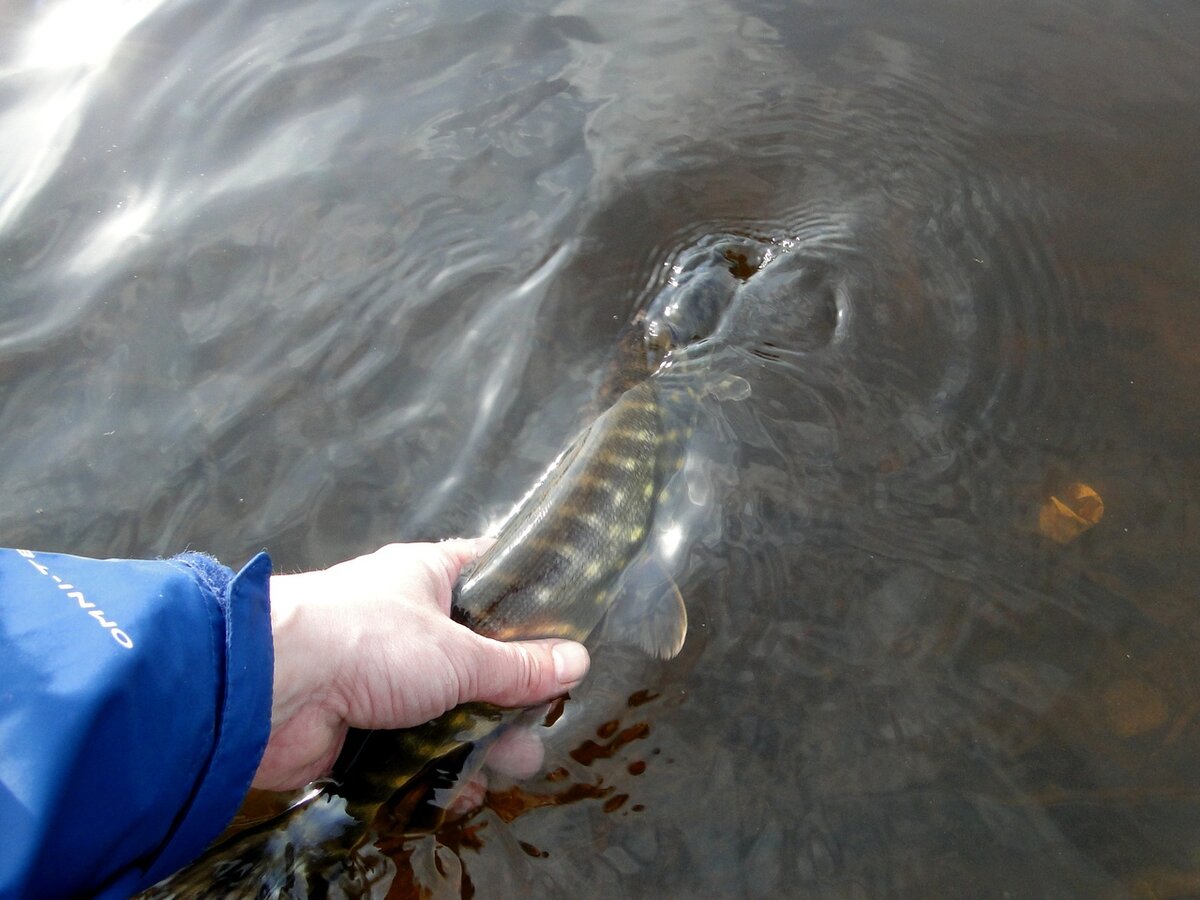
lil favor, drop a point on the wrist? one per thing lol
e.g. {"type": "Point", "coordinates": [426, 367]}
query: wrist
{"type": "Point", "coordinates": [287, 614]}
{"type": "Point", "coordinates": [306, 725]}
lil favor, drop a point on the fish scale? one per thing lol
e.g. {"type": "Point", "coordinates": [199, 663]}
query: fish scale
{"type": "Point", "coordinates": [593, 508]}
{"type": "Point", "coordinates": [555, 570]}
{"type": "Point", "coordinates": [551, 573]}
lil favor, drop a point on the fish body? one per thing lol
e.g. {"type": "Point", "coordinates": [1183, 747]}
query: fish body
{"type": "Point", "coordinates": [552, 569]}
{"type": "Point", "coordinates": [552, 572]}
{"type": "Point", "coordinates": [560, 565]}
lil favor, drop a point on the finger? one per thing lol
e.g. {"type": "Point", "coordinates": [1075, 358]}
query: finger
{"type": "Point", "coordinates": [450, 557]}
{"type": "Point", "coordinates": [424, 572]}
{"type": "Point", "coordinates": [469, 794]}
{"type": "Point", "coordinates": [517, 753]}
{"type": "Point", "coordinates": [525, 673]}
{"type": "Point", "coordinates": [460, 551]}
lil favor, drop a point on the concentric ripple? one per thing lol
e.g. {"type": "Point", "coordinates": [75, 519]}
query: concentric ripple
{"type": "Point", "coordinates": [318, 278]}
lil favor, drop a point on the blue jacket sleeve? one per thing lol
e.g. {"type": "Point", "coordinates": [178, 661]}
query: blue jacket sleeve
{"type": "Point", "coordinates": [135, 702]}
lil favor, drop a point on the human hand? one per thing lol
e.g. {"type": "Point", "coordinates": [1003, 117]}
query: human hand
{"type": "Point", "coordinates": [514, 752]}
{"type": "Point", "coordinates": [369, 643]}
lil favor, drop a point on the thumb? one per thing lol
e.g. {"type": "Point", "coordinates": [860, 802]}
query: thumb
{"type": "Point", "coordinates": [525, 673]}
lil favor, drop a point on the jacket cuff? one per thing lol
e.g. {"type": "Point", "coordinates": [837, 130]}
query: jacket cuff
{"type": "Point", "coordinates": [243, 721]}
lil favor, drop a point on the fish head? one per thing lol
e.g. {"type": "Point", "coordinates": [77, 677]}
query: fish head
{"type": "Point", "coordinates": [701, 291]}
{"type": "Point", "coordinates": [685, 314]}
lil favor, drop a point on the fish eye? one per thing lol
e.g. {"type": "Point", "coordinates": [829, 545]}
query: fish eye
{"type": "Point", "coordinates": [659, 342]}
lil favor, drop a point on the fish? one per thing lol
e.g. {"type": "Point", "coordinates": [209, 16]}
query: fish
{"type": "Point", "coordinates": [554, 571]}
{"type": "Point", "coordinates": [561, 564]}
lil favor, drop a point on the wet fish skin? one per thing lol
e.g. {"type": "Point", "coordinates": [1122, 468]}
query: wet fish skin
{"type": "Point", "coordinates": [386, 761]}
{"type": "Point", "coordinates": [295, 854]}
{"type": "Point", "coordinates": [553, 572]}
{"type": "Point", "coordinates": [692, 312]}
{"type": "Point", "coordinates": [557, 560]}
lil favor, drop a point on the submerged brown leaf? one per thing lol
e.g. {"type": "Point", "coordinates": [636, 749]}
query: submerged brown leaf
{"type": "Point", "coordinates": [1066, 516]}
{"type": "Point", "coordinates": [1134, 707]}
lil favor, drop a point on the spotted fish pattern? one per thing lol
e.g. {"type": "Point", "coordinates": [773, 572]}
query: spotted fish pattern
{"type": "Point", "coordinates": [555, 570]}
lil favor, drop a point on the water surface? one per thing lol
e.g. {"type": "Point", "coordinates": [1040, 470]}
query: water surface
{"type": "Point", "coordinates": [313, 278]}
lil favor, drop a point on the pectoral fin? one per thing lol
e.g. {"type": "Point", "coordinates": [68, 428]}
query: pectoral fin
{"type": "Point", "coordinates": [649, 611]}
{"type": "Point", "coordinates": [729, 387]}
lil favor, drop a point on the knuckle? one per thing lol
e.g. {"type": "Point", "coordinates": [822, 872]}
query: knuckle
{"type": "Point", "coordinates": [530, 671]}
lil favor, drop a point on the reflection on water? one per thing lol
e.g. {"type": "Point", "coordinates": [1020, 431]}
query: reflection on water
{"type": "Point", "coordinates": [317, 279]}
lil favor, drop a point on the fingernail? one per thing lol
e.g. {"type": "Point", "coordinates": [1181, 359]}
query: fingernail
{"type": "Point", "coordinates": [570, 662]}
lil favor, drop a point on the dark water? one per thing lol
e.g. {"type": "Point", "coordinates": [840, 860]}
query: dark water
{"type": "Point", "coordinates": [317, 276]}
